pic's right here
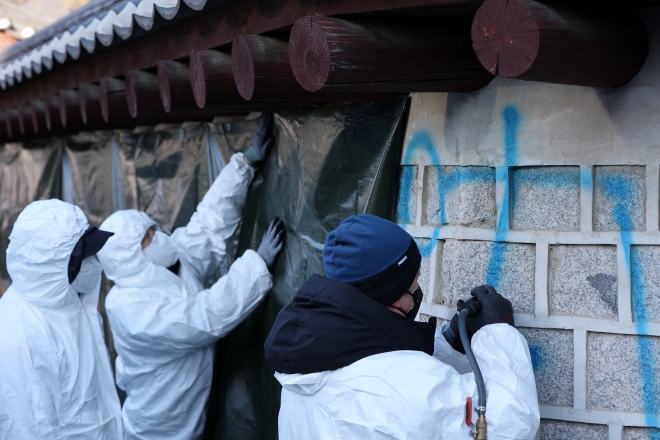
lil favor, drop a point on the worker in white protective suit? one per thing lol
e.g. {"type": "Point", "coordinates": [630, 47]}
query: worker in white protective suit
{"type": "Point", "coordinates": [55, 373]}
{"type": "Point", "coordinates": [354, 364]}
{"type": "Point", "coordinates": [164, 322]}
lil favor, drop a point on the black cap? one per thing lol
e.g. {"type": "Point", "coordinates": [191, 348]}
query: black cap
{"type": "Point", "coordinates": [89, 244]}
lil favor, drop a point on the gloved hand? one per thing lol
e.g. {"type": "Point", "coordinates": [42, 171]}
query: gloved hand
{"type": "Point", "coordinates": [452, 335]}
{"type": "Point", "coordinates": [271, 244]}
{"type": "Point", "coordinates": [262, 142]}
{"type": "Point", "coordinates": [495, 309]}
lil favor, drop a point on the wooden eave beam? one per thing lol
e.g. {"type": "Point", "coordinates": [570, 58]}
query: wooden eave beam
{"type": "Point", "coordinates": [215, 28]}
{"type": "Point", "coordinates": [90, 105]}
{"type": "Point", "coordinates": [212, 79]}
{"type": "Point", "coordinates": [38, 116]}
{"type": "Point", "coordinates": [69, 109]}
{"type": "Point", "coordinates": [262, 72]}
{"type": "Point", "coordinates": [112, 98]}
{"type": "Point", "coordinates": [389, 55]}
{"type": "Point", "coordinates": [563, 44]}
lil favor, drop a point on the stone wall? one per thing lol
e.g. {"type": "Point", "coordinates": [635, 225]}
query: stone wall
{"type": "Point", "coordinates": [551, 194]}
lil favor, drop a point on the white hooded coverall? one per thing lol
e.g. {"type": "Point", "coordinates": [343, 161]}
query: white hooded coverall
{"type": "Point", "coordinates": [55, 374]}
{"type": "Point", "coordinates": [411, 395]}
{"type": "Point", "coordinates": [165, 326]}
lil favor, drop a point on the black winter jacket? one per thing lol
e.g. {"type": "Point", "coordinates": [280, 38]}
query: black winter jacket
{"type": "Point", "coordinates": [330, 324]}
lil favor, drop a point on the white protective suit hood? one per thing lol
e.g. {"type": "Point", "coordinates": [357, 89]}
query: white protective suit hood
{"type": "Point", "coordinates": [38, 254]}
{"type": "Point", "coordinates": [164, 326]}
{"type": "Point", "coordinates": [122, 258]}
{"type": "Point", "coordinates": [55, 375]}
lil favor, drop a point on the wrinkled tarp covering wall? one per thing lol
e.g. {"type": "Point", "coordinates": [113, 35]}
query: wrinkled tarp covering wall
{"type": "Point", "coordinates": [327, 164]}
{"type": "Point", "coordinates": [164, 171]}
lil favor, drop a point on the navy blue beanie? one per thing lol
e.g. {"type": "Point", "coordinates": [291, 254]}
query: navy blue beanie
{"type": "Point", "coordinates": [373, 254]}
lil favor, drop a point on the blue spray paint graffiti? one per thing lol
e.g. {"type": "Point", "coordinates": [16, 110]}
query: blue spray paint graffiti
{"type": "Point", "coordinates": [511, 123]}
{"type": "Point", "coordinates": [539, 359]}
{"type": "Point", "coordinates": [619, 190]}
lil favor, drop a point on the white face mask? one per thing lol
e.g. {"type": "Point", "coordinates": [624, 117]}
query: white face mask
{"type": "Point", "coordinates": [89, 276]}
{"type": "Point", "coordinates": [162, 250]}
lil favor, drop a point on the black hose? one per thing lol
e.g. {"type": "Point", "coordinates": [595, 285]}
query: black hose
{"type": "Point", "coordinates": [481, 387]}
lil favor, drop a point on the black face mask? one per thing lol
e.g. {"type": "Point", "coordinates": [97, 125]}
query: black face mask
{"type": "Point", "coordinates": [417, 296]}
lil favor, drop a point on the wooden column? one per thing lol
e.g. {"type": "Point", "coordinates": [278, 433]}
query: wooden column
{"type": "Point", "coordinates": [69, 109]}
{"type": "Point", "coordinates": [90, 105]}
{"type": "Point", "coordinates": [212, 79]}
{"type": "Point", "coordinates": [385, 55]}
{"type": "Point", "coordinates": [262, 72]}
{"type": "Point", "coordinates": [558, 44]}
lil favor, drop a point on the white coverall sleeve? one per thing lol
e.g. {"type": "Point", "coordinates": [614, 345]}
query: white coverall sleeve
{"type": "Point", "coordinates": [445, 353]}
{"type": "Point", "coordinates": [512, 403]}
{"type": "Point", "coordinates": [205, 236]}
{"type": "Point", "coordinates": [168, 326]}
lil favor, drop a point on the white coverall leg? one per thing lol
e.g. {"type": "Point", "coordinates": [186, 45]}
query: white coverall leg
{"type": "Point", "coordinates": [55, 374]}
{"type": "Point", "coordinates": [411, 395]}
{"type": "Point", "coordinates": [165, 326]}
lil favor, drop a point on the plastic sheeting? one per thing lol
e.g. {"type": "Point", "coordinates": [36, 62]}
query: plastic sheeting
{"type": "Point", "coordinates": [327, 164]}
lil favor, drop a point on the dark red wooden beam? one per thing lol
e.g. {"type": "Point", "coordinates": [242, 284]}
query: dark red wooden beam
{"type": "Point", "coordinates": [385, 55]}
{"type": "Point", "coordinates": [51, 112]}
{"type": "Point", "coordinates": [38, 116]}
{"type": "Point", "coordinates": [112, 98]}
{"type": "Point", "coordinates": [69, 108]}
{"type": "Point", "coordinates": [212, 79]}
{"type": "Point", "coordinates": [175, 87]}
{"type": "Point", "coordinates": [262, 72]}
{"type": "Point", "coordinates": [11, 123]}
{"type": "Point", "coordinates": [143, 95]}
{"type": "Point", "coordinates": [22, 120]}
{"type": "Point", "coordinates": [90, 105]}
{"type": "Point", "coordinates": [558, 44]}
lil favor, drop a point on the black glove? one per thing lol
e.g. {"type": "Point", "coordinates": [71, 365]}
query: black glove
{"type": "Point", "coordinates": [452, 336]}
{"type": "Point", "coordinates": [495, 309]}
{"type": "Point", "coordinates": [262, 142]}
{"type": "Point", "coordinates": [271, 244]}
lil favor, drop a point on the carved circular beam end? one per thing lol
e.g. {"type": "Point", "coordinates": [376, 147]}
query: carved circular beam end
{"type": "Point", "coordinates": [505, 37]}
{"type": "Point", "coordinates": [197, 80]}
{"type": "Point", "coordinates": [131, 98]}
{"type": "Point", "coordinates": [243, 67]}
{"type": "Point", "coordinates": [164, 87]}
{"type": "Point", "coordinates": [309, 53]}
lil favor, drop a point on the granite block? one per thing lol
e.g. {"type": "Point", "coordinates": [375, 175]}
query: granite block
{"type": "Point", "coordinates": [641, 433]}
{"type": "Point", "coordinates": [622, 371]}
{"type": "Point", "coordinates": [619, 198]}
{"type": "Point", "coordinates": [509, 267]}
{"type": "Point", "coordinates": [456, 195]}
{"type": "Point", "coordinates": [645, 261]}
{"type": "Point", "coordinates": [552, 358]}
{"type": "Point", "coordinates": [546, 198]}
{"type": "Point", "coordinates": [426, 248]}
{"type": "Point", "coordinates": [583, 281]}
{"type": "Point", "coordinates": [560, 430]}
{"type": "Point", "coordinates": [406, 209]}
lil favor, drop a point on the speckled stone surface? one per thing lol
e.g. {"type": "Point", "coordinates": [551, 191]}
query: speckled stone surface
{"type": "Point", "coordinates": [618, 366]}
{"type": "Point", "coordinates": [426, 248]}
{"type": "Point", "coordinates": [559, 430]}
{"type": "Point", "coordinates": [552, 358]}
{"type": "Point", "coordinates": [641, 433]}
{"type": "Point", "coordinates": [619, 198]}
{"type": "Point", "coordinates": [545, 198]}
{"type": "Point", "coordinates": [459, 196]}
{"type": "Point", "coordinates": [507, 266]}
{"type": "Point", "coordinates": [406, 208]}
{"type": "Point", "coordinates": [583, 281]}
{"type": "Point", "coordinates": [645, 265]}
